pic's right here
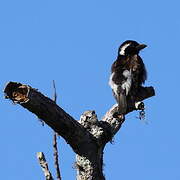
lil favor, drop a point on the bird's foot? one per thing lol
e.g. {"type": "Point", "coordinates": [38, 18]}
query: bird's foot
{"type": "Point", "coordinates": [118, 115]}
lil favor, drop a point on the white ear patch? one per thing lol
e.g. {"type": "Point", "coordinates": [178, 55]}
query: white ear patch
{"type": "Point", "coordinates": [123, 48]}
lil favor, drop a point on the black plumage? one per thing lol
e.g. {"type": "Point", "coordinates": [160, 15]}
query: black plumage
{"type": "Point", "coordinates": [128, 73]}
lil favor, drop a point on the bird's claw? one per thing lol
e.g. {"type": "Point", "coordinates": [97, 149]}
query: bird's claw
{"type": "Point", "coordinates": [118, 115]}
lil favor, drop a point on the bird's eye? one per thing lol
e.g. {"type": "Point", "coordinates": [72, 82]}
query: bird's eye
{"type": "Point", "coordinates": [130, 50]}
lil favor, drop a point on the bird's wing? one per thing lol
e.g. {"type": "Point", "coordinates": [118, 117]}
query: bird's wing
{"type": "Point", "coordinates": [143, 72]}
{"type": "Point", "coordinates": [120, 82]}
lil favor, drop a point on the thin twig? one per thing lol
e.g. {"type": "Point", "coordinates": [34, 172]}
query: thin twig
{"type": "Point", "coordinates": [55, 94]}
{"type": "Point", "coordinates": [56, 161]}
{"type": "Point", "coordinates": [44, 166]}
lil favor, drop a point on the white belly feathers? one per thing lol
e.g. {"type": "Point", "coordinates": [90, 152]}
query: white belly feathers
{"type": "Point", "coordinates": [113, 86]}
{"type": "Point", "coordinates": [126, 85]}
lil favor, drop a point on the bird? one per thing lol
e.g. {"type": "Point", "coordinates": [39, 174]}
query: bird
{"type": "Point", "coordinates": [128, 73]}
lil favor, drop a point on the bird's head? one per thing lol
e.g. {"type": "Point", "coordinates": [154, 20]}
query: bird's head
{"type": "Point", "coordinates": [130, 47]}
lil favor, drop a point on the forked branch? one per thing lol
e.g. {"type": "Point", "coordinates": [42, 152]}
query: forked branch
{"type": "Point", "coordinates": [86, 137]}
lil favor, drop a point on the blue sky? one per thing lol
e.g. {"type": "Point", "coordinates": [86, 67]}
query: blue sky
{"type": "Point", "coordinates": [75, 43]}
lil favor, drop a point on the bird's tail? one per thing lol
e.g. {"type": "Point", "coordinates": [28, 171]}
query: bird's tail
{"type": "Point", "coordinates": [122, 103]}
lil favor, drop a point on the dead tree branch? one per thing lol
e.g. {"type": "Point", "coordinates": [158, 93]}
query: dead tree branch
{"type": "Point", "coordinates": [44, 165]}
{"type": "Point", "coordinates": [56, 160]}
{"type": "Point", "coordinates": [86, 137]}
{"type": "Point", "coordinates": [55, 148]}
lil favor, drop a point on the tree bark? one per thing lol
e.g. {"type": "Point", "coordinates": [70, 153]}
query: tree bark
{"type": "Point", "coordinates": [87, 137]}
{"type": "Point", "coordinates": [44, 165]}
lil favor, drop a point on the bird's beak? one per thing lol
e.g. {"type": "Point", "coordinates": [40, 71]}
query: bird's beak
{"type": "Point", "coordinates": [141, 46]}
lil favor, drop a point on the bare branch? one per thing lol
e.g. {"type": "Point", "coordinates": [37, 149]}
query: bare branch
{"type": "Point", "coordinates": [56, 160]}
{"type": "Point", "coordinates": [86, 137]}
{"type": "Point", "coordinates": [54, 116]}
{"type": "Point", "coordinates": [115, 122]}
{"type": "Point", "coordinates": [44, 166]}
{"type": "Point", "coordinates": [55, 93]}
